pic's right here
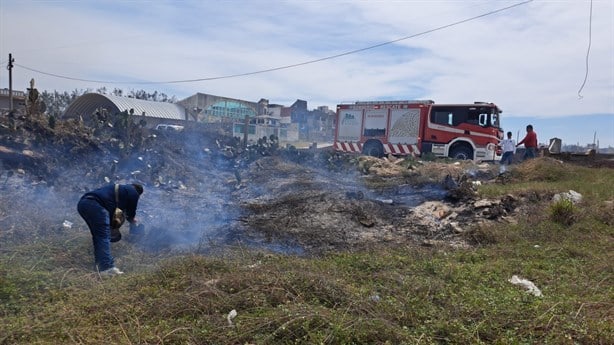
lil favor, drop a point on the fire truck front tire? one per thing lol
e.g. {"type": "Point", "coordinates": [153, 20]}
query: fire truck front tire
{"type": "Point", "coordinates": [373, 148]}
{"type": "Point", "coordinates": [461, 152]}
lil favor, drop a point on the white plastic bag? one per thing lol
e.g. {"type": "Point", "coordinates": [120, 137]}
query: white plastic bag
{"type": "Point", "coordinates": [527, 284]}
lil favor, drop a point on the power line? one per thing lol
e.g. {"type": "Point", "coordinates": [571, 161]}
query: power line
{"type": "Point", "coordinates": [286, 66]}
{"type": "Point", "coordinates": [588, 50]}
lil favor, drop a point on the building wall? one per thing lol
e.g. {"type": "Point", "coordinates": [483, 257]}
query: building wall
{"type": "Point", "coordinates": [199, 103]}
{"type": "Point", "coordinates": [19, 100]}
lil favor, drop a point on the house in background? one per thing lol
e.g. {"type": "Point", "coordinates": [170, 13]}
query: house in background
{"type": "Point", "coordinates": [19, 100]}
{"type": "Point", "coordinates": [289, 124]}
{"type": "Point", "coordinates": [214, 109]}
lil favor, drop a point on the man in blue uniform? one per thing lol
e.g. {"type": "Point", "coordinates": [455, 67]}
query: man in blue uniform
{"type": "Point", "coordinates": [97, 208]}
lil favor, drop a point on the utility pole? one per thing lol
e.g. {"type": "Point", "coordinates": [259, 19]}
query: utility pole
{"type": "Point", "coordinates": [10, 68]}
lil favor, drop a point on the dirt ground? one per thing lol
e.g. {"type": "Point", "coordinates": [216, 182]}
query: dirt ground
{"type": "Point", "coordinates": [204, 191]}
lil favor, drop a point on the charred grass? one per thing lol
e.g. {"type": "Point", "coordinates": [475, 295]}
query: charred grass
{"type": "Point", "coordinates": [382, 295]}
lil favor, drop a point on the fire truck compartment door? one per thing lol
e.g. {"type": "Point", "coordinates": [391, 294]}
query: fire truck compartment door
{"type": "Point", "coordinates": [404, 126]}
{"type": "Point", "coordinates": [438, 149]}
{"type": "Point", "coordinates": [375, 123]}
{"type": "Point", "coordinates": [349, 125]}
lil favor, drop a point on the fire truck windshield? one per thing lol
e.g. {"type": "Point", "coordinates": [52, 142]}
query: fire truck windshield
{"type": "Point", "coordinates": [494, 119]}
{"type": "Point", "coordinates": [455, 115]}
{"type": "Point", "coordinates": [489, 118]}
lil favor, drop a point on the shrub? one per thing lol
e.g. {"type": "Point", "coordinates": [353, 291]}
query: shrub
{"type": "Point", "coordinates": [562, 212]}
{"type": "Point", "coordinates": [542, 169]}
{"type": "Point", "coordinates": [52, 121]}
{"type": "Point", "coordinates": [428, 157]}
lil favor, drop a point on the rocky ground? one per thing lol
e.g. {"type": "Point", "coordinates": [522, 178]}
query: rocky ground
{"type": "Point", "coordinates": [203, 191]}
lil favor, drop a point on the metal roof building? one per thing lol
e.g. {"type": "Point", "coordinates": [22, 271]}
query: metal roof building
{"type": "Point", "coordinates": [89, 103]}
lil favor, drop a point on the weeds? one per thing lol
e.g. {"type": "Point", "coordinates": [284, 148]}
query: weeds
{"type": "Point", "coordinates": [387, 294]}
{"type": "Point", "coordinates": [562, 212]}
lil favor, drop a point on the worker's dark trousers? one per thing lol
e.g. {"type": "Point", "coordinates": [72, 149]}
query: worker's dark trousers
{"type": "Point", "coordinates": [97, 219]}
{"type": "Point", "coordinates": [529, 153]}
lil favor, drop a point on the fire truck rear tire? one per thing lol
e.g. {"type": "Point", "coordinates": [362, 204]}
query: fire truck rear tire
{"type": "Point", "coordinates": [461, 153]}
{"type": "Point", "coordinates": [373, 149]}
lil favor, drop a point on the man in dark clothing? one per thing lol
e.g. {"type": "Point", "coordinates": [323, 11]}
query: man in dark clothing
{"type": "Point", "coordinates": [97, 208]}
{"type": "Point", "coordinates": [530, 143]}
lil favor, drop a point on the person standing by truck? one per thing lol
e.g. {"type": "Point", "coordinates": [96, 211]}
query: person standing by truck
{"type": "Point", "coordinates": [530, 143]}
{"type": "Point", "coordinates": [509, 149]}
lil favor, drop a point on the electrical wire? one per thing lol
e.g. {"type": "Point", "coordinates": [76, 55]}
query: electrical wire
{"type": "Point", "coordinates": [588, 50]}
{"type": "Point", "coordinates": [285, 66]}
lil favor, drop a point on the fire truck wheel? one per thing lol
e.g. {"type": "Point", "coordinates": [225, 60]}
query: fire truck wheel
{"type": "Point", "coordinates": [461, 153]}
{"type": "Point", "coordinates": [373, 149]}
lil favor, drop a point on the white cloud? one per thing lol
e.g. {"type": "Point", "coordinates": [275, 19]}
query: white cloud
{"type": "Point", "coordinates": [530, 59]}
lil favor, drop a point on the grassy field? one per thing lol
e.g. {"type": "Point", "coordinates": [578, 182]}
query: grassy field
{"type": "Point", "coordinates": [386, 295]}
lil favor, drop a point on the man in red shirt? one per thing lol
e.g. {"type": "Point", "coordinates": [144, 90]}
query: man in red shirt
{"type": "Point", "coordinates": [530, 143]}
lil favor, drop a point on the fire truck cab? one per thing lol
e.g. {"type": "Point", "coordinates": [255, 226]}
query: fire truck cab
{"type": "Point", "coordinates": [460, 131]}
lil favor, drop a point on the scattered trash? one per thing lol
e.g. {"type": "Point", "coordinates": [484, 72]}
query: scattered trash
{"type": "Point", "coordinates": [385, 201]}
{"type": "Point", "coordinates": [456, 227]}
{"type": "Point", "coordinates": [572, 196]}
{"type": "Point", "coordinates": [255, 265]}
{"type": "Point", "coordinates": [375, 298]}
{"type": "Point", "coordinates": [483, 203]}
{"type": "Point", "coordinates": [67, 224]}
{"type": "Point", "coordinates": [106, 179]}
{"type": "Point", "coordinates": [527, 284]}
{"type": "Point", "coordinates": [477, 183]}
{"type": "Point", "coordinates": [536, 246]}
{"type": "Point", "coordinates": [231, 315]}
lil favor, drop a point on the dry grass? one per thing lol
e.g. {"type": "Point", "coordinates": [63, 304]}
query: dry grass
{"type": "Point", "coordinates": [388, 294]}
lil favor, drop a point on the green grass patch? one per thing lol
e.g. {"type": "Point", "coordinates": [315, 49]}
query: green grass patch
{"type": "Point", "coordinates": [49, 293]}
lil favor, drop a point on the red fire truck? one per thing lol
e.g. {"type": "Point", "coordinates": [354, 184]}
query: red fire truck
{"type": "Point", "coordinates": [460, 131]}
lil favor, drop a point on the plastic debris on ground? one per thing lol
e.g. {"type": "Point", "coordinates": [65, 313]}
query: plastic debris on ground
{"type": "Point", "coordinates": [572, 196]}
{"type": "Point", "coordinates": [231, 315]}
{"type": "Point", "coordinates": [527, 284]}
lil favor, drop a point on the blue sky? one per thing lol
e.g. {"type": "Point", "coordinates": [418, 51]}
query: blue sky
{"type": "Point", "coordinates": [529, 59]}
{"type": "Point", "coordinates": [573, 130]}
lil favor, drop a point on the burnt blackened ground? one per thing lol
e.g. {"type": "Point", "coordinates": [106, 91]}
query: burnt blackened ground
{"type": "Point", "coordinates": [203, 191]}
{"type": "Point", "coordinates": [319, 210]}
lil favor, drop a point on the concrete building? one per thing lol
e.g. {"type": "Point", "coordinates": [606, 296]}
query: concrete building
{"type": "Point", "coordinates": [19, 100]}
{"type": "Point", "coordinates": [288, 123]}
{"type": "Point", "coordinates": [211, 109]}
